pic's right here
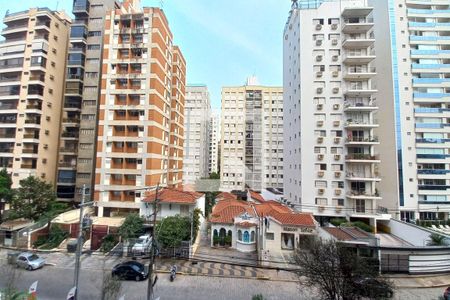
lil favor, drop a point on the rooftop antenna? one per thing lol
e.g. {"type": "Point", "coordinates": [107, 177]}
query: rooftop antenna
{"type": "Point", "coordinates": [57, 4]}
{"type": "Point", "coordinates": [294, 4]}
{"type": "Point", "coordinates": [161, 4]}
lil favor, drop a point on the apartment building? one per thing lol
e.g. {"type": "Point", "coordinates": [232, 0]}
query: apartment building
{"type": "Point", "coordinates": [32, 59]}
{"type": "Point", "coordinates": [214, 142]}
{"type": "Point", "coordinates": [252, 137]}
{"type": "Point", "coordinates": [331, 149]}
{"type": "Point", "coordinates": [414, 84]}
{"type": "Point", "coordinates": [141, 115]}
{"type": "Point", "coordinates": [197, 134]}
{"type": "Point", "coordinates": [76, 161]}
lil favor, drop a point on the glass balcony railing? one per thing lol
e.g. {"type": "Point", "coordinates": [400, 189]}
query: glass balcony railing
{"type": "Point", "coordinates": [433, 172]}
{"type": "Point", "coordinates": [429, 125]}
{"type": "Point", "coordinates": [431, 95]}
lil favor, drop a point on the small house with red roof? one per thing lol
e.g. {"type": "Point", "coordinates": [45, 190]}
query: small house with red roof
{"type": "Point", "coordinates": [266, 225]}
{"type": "Point", "coordinates": [173, 201]}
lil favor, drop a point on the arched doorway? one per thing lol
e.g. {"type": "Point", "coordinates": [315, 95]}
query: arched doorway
{"type": "Point", "coordinates": [229, 238]}
{"type": "Point", "coordinates": [222, 235]}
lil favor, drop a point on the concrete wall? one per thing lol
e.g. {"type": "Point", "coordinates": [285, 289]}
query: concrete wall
{"type": "Point", "coordinates": [415, 235]}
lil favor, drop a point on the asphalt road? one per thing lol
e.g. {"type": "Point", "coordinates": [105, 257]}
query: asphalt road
{"type": "Point", "coordinates": [55, 282]}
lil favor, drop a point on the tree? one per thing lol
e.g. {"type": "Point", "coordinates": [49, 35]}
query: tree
{"type": "Point", "coordinates": [33, 199]}
{"type": "Point", "coordinates": [5, 188]}
{"type": "Point", "coordinates": [132, 227]}
{"type": "Point", "coordinates": [111, 286]}
{"type": "Point", "coordinates": [339, 273]}
{"type": "Point", "coordinates": [196, 223]}
{"type": "Point", "coordinates": [210, 201]}
{"type": "Point", "coordinates": [436, 240]}
{"type": "Point", "coordinates": [258, 297]}
{"type": "Point", "coordinates": [173, 230]}
{"type": "Point", "coordinates": [214, 175]}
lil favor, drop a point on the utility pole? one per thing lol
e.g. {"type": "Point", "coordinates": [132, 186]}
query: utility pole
{"type": "Point", "coordinates": [80, 240]}
{"type": "Point", "coordinates": [152, 251]}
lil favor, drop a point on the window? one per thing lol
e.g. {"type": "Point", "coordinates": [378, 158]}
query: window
{"type": "Point", "coordinates": [246, 237]}
{"type": "Point", "coordinates": [270, 236]}
{"type": "Point", "coordinates": [94, 33]}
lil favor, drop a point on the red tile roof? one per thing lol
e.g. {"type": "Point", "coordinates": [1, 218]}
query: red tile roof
{"type": "Point", "coordinates": [256, 196]}
{"type": "Point", "coordinates": [170, 195]}
{"type": "Point", "coordinates": [284, 214]}
{"type": "Point", "coordinates": [226, 210]}
{"type": "Point", "coordinates": [226, 196]}
{"type": "Point", "coordinates": [338, 233]}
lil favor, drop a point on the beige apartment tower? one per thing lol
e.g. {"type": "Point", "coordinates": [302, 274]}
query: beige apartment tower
{"type": "Point", "coordinates": [32, 59]}
{"type": "Point", "coordinates": [252, 137]}
{"type": "Point", "coordinates": [141, 116]}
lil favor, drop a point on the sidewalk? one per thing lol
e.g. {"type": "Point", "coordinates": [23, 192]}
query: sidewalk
{"type": "Point", "coordinates": [420, 281]}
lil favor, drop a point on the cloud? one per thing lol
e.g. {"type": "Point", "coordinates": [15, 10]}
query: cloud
{"type": "Point", "coordinates": [213, 23]}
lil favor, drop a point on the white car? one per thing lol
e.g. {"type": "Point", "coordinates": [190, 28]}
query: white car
{"type": "Point", "coordinates": [29, 261]}
{"type": "Point", "coordinates": [142, 244]}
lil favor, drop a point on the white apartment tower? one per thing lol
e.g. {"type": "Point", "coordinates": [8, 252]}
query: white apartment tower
{"type": "Point", "coordinates": [252, 137]}
{"type": "Point", "coordinates": [214, 142]}
{"type": "Point", "coordinates": [196, 124]}
{"type": "Point", "coordinates": [414, 84]}
{"type": "Point", "coordinates": [331, 158]}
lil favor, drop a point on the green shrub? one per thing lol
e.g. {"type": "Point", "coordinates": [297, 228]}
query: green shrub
{"type": "Point", "coordinates": [228, 239]}
{"type": "Point", "coordinates": [359, 224]}
{"type": "Point", "coordinates": [258, 297]}
{"type": "Point", "coordinates": [216, 240]}
{"type": "Point", "coordinates": [108, 243]}
{"type": "Point", "coordinates": [40, 241]}
{"type": "Point", "coordinates": [55, 237]}
{"type": "Point", "coordinates": [337, 221]}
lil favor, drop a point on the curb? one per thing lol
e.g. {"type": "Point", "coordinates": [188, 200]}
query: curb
{"type": "Point", "coordinates": [215, 275]}
{"type": "Point", "coordinates": [55, 250]}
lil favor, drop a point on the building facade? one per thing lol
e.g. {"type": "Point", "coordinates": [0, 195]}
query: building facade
{"type": "Point", "coordinates": [252, 137]}
{"type": "Point", "coordinates": [141, 115]}
{"type": "Point", "coordinates": [214, 142]}
{"type": "Point", "coordinates": [197, 138]}
{"type": "Point", "coordinates": [414, 83]}
{"type": "Point", "coordinates": [331, 149]}
{"type": "Point", "coordinates": [32, 59]}
{"type": "Point", "coordinates": [76, 163]}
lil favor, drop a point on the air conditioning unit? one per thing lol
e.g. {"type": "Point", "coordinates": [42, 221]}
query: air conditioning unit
{"type": "Point", "coordinates": [319, 58]}
{"type": "Point", "coordinates": [320, 156]}
{"type": "Point", "coordinates": [318, 42]}
{"type": "Point", "coordinates": [334, 42]}
{"type": "Point", "coordinates": [319, 90]}
{"type": "Point", "coordinates": [318, 26]}
{"type": "Point", "coordinates": [336, 123]}
{"type": "Point", "coordinates": [319, 74]}
{"type": "Point", "coordinates": [338, 209]}
{"type": "Point", "coordinates": [334, 26]}
{"type": "Point", "coordinates": [337, 157]}
{"type": "Point", "coordinates": [336, 106]}
{"type": "Point", "coordinates": [334, 58]}
{"type": "Point", "coordinates": [337, 174]}
{"type": "Point", "coordinates": [320, 174]}
{"type": "Point", "coordinates": [321, 191]}
{"type": "Point", "coordinates": [320, 139]}
{"type": "Point", "coordinates": [335, 90]}
{"type": "Point", "coordinates": [44, 160]}
{"type": "Point", "coordinates": [319, 106]}
{"type": "Point", "coordinates": [337, 192]}
{"type": "Point", "coordinates": [321, 208]}
{"type": "Point", "coordinates": [337, 140]}
{"type": "Point", "coordinates": [45, 146]}
{"type": "Point", "coordinates": [319, 123]}
{"type": "Point", "coordinates": [335, 73]}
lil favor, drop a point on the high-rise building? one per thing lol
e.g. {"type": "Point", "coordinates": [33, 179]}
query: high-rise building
{"type": "Point", "coordinates": [414, 94]}
{"type": "Point", "coordinates": [141, 116]}
{"type": "Point", "coordinates": [32, 59]}
{"type": "Point", "coordinates": [331, 150]}
{"type": "Point", "coordinates": [214, 142]}
{"type": "Point", "coordinates": [252, 137]}
{"type": "Point", "coordinates": [196, 123]}
{"type": "Point", "coordinates": [76, 162]}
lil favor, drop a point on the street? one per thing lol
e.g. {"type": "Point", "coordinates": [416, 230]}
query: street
{"type": "Point", "coordinates": [55, 281]}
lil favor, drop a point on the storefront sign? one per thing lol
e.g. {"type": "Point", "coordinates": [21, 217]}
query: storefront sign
{"type": "Point", "coordinates": [290, 229]}
{"type": "Point", "coordinates": [302, 229]}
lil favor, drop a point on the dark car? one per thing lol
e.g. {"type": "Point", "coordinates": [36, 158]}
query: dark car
{"type": "Point", "coordinates": [447, 293]}
{"type": "Point", "coordinates": [130, 270]}
{"type": "Point", "coordinates": [373, 288]}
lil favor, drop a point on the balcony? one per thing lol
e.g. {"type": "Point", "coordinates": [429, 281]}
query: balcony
{"type": "Point", "coordinates": [360, 106]}
{"type": "Point", "coordinates": [362, 176]}
{"type": "Point", "coordinates": [357, 42]}
{"type": "Point", "coordinates": [360, 124]}
{"type": "Point", "coordinates": [68, 150]}
{"type": "Point", "coordinates": [362, 194]}
{"type": "Point", "coordinates": [358, 57]}
{"type": "Point", "coordinates": [27, 166]}
{"type": "Point", "coordinates": [359, 91]}
{"type": "Point", "coordinates": [352, 12]}
{"type": "Point", "coordinates": [357, 25]}
{"type": "Point", "coordinates": [6, 149]}
{"type": "Point", "coordinates": [36, 121]}
{"type": "Point", "coordinates": [356, 140]}
{"type": "Point", "coordinates": [30, 151]}
{"type": "Point", "coordinates": [15, 28]}
{"type": "Point", "coordinates": [434, 187]}
{"type": "Point", "coordinates": [70, 135]}
{"type": "Point", "coordinates": [360, 157]}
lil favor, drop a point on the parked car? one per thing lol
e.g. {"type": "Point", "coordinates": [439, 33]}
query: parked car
{"type": "Point", "coordinates": [130, 270]}
{"type": "Point", "coordinates": [142, 244]}
{"type": "Point", "coordinates": [30, 261]}
{"type": "Point", "coordinates": [447, 293]}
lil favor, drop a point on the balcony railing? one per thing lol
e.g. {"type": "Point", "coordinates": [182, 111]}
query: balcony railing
{"type": "Point", "coordinates": [362, 139]}
{"type": "Point", "coordinates": [360, 156]}
{"type": "Point", "coordinates": [70, 134]}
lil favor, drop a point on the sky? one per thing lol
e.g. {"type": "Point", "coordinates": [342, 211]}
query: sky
{"type": "Point", "coordinates": [223, 41]}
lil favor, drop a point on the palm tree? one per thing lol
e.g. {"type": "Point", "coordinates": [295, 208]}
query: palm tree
{"type": "Point", "coordinates": [436, 240]}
